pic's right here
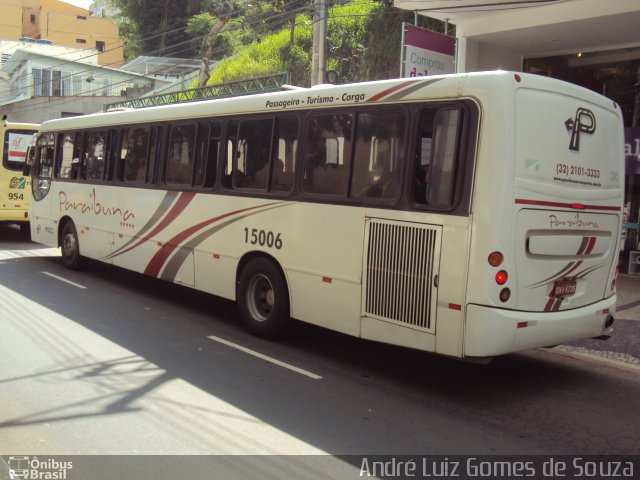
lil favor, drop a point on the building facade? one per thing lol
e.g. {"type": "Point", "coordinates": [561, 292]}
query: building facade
{"type": "Point", "coordinates": [39, 87]}
{"type": "Point", "coordinates": [63, 24]}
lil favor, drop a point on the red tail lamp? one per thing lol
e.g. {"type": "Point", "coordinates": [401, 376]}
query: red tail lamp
{"type": "Point", "coordinates": [501, 277]}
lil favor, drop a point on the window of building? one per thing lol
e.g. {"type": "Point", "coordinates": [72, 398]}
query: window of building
{"type": "Point", "coordinates": [80, 40]}
{"type": "Point", "coordinates": [37, 81]}
{"type": "Point", "coordinates": [33, 19]}
{"type": "Point", "coordinates": [46, 83]}
{"type": "Point", "coordinates": [100, 46]}
{"type": "Point", "coordinates": [56, 83]}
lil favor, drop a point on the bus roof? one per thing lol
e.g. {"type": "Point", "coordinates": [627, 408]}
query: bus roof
{"type": "Point", "coordinates": [322, 96]}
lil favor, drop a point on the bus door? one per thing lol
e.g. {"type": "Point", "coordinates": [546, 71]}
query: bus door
{"type": "Point", "coordinates": [44, 229]}
{"type": "Point", "coordinates": [400, 273]}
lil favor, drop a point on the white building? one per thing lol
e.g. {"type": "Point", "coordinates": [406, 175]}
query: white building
{"type": "Point", "coordinates": [506, 33]}
{"type": "Point", "coordinates": [38, 86]}
{"type": "Point", "coordinates": [593, 43]}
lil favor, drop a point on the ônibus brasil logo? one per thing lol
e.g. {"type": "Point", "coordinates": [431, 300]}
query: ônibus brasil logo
{"type": "Point", "coordinates": [18, 183]}
{"type": "Point", "coordinates": [32, 468]}
{"type": "Point", "coordinates": [585, 122]}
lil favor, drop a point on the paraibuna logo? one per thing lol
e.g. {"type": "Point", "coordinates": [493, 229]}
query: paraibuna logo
{"type": "Point", "coordinates": [94, 206]}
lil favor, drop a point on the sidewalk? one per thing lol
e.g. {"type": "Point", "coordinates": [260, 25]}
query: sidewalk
{"type": "Point", "coordinates": [628, 297]}
{"type": "Point", "coordinates": [624, 344]}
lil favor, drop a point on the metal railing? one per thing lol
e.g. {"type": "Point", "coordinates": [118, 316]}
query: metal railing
{"type": "Point", "coordinates": [267, 83]}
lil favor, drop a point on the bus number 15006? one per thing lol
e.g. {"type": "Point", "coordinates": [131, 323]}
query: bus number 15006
{"type": "Point", "coordinates": [263, 238]}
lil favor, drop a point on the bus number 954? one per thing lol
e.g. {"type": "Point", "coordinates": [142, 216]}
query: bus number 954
{"type": "Point", "coordinates": [263, 238]}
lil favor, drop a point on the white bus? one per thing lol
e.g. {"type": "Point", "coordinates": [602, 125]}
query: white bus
{"type": "Point", "coordinates": [470, 215]}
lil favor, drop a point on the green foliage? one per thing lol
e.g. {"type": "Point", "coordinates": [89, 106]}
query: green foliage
{"type": "Point", "coordinates": [271, 55]}
{"type": "Point", "coordinates": [160, 24]}
{"type": "Point", "coordinates": [200, 24]}
{"type": "Point", "coordinates": [363, 44]}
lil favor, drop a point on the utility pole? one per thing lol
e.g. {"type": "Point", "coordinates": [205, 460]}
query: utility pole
{"type": "Point", "coordinates": [319, 58]}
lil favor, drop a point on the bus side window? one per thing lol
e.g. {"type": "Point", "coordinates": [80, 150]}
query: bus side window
{"type": "Point", "coordinates": [445, 151]}
{"type": "Point", "coordinates": [252, 163]}
{"type": "Point", "coordinates": [112, 154]}
{"type": "Point", "coordinates": [180, 155]}
{"type": "Point", "coordinates": [94, 155]}
{"type": "Point", "coordinates": [135, 143]}
{"type": "Point", "coordinates": [328, 154]}
{"type": "Point", "coordinates": [378, 158]}
{"type": "Point", "coordinates": [422, 156]}
{"type": "Point", "coordinates": [152, 158]}
{"type": "Point", "coordinates": [68, 157]}
{"type": "Point", "coordinates": [212, 154]}
{"type": "Point", "coordinates": [436, 151]}
{"type": "Point", "coordinates": [231, 154]}
{"type": "Point", "coordinates": [284, 154]}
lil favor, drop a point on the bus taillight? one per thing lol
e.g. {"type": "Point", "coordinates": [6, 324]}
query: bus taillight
{"type": "Point", "coordinates": [495, 259]}
{"type": "Point", "coordinates": [501, 277]}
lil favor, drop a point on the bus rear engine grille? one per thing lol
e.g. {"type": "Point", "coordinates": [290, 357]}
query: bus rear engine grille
{"type": "Point", "coordinates": [401, 264]}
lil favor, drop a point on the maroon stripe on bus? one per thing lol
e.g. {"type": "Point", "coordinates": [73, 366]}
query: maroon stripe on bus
{"type": "Point", "coordinates": [572, 206]}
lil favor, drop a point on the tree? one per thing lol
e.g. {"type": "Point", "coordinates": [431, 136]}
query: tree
{"type": "Point", "coordinates": [364, 43]}
{"type": "Point", "coordinates": [161, 24]}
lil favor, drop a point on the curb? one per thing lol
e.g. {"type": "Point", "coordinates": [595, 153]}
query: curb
{"type": "Point", "coordinates": [587, 357]}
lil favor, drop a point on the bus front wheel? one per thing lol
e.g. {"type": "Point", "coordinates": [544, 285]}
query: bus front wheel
{"type": "Point", "coordinates": [263, 300]}
{"type": "Point", "coordinates": [70, 247]}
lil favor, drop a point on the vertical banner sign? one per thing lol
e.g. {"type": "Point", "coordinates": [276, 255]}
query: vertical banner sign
{"type": "Point", "coordinates": [426, 53]}
{"type": "Point", "coordinates": [632, 150]}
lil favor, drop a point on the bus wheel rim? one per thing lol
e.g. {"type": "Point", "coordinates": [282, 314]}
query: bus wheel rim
{"type": "Point", "coordinates": [260, 298]}
{"type": "Point", "coordinates": [69, 245]}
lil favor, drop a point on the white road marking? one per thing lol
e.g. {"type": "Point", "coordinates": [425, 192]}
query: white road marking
{"type": "Point", "coordinates": [265, 357]}
{"type": "Point", "coordinates": [77, 285]}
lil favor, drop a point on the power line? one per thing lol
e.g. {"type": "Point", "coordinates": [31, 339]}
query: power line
{"type": "Point", "coordinates": [273, 18]}
{"type": "Point", "coordinates": [36, 106]}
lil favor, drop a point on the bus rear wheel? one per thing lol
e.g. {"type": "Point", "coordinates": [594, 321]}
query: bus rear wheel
{"type": "Point", "coordinates": [263, 300]}
{"type": "Point", "coordinates": [70, 247]}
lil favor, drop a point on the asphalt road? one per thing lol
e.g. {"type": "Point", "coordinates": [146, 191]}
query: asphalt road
{"type": "Point", "coordinates": [107, 362]}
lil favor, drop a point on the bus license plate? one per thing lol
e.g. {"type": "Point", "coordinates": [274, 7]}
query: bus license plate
{"type": "Point", "coordinates": [564, 288]}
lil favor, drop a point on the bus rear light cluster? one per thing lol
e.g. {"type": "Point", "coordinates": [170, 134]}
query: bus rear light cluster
{"type": "Point", "coordinates": [495, 259]}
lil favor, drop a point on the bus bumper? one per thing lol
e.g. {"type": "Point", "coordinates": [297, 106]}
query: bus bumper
{"type": "Point", "coordinates": [493, 331]}
{"type": "Point", "coordinates": [14, 216]}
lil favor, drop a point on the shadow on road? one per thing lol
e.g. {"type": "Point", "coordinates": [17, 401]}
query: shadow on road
{"type": "Point", "coordinates": [533, 401]}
